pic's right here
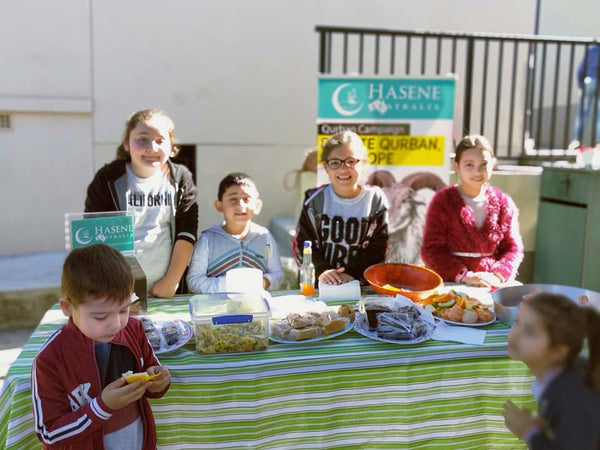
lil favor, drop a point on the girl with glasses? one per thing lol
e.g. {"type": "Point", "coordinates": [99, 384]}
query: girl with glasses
{"type": "Point", "coordinates": [345, 220]}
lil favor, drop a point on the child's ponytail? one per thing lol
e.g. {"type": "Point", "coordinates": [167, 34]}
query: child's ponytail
{"type": "Point", "coordinates": [593, 326]}
{"type": "Point", "coordinates": [570, 324]}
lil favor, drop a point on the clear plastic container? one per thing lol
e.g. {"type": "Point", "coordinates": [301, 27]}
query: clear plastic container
{"type": "Point", "coordinates": [230, 322]}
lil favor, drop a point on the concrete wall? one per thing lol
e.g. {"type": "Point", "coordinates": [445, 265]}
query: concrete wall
{"type": "Point", "coordinates": [46, 158]}
{"type": "Point", "coordinates": [238, 78]}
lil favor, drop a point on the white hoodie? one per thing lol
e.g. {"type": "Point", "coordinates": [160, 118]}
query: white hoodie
{"type": "Point", "coordinates": [218, 251]}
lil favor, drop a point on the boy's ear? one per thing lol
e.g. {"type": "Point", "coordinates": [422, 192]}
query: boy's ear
{"type": "Point", "coordinates": [258, 207]}
{"type": "Point", "coordinates": [219, 205]}
{"type": "Point", "coordinates": [66, 306]}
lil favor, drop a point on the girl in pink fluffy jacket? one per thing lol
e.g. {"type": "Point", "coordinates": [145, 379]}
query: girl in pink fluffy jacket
{"type": "Point", "coordinates": [472, 229]}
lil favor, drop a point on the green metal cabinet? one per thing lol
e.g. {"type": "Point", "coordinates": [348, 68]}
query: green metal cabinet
{"type": "Point", "coordinates": [567, 249]}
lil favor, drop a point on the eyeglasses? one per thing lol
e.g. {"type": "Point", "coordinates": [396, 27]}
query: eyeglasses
{"type": "Point", "coordinates": [335, 163]}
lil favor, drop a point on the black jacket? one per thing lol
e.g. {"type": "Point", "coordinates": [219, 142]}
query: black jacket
{"type": "Point", "coordinates": [372, 243]}
{"type": "Point", "coordinates": [107, 192]}
{"type": "Point", "coordinates": [571, 412]}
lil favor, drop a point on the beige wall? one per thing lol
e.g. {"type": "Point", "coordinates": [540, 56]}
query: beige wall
{"type": "Point", "coordinates": [238, 77]}
{"type": "Point", "coordinates": [45, 54]}
{"type": "Point", "coordinates": [46, 162]}
{"type": "Point", "coordinates": [570, 18]}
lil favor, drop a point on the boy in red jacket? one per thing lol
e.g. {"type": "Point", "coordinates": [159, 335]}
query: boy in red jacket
{"type": "Point", "coordinates": [80, 398]}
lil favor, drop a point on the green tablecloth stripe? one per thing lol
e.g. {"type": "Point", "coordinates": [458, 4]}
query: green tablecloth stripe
{"type": "Point", "coordinates": [257, 394]}
{"type": "Point", "coordinates": [315, 363]}
{"type": "Point", "coordinates": [357, 412]}
{"type": "Point", "coordinates": [479, 436]}
{"type": "Point", "coordinates": [345, 392]}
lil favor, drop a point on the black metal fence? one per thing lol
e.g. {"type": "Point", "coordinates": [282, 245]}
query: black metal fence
{"type": "Point", "coordinates": [520, 91]}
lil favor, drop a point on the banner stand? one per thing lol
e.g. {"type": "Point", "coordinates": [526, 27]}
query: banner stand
{"type": "Point", "coordinates": [406, 124]}
{"type": "Point", "coordinates": [116, 229]}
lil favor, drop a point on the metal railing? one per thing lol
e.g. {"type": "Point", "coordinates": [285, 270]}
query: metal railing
{"type": "Point", "coordinates": [520, 91]}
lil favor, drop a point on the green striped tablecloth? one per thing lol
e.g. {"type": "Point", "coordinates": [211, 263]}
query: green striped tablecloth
{"type": "Point", "coordinates": [345, 392]}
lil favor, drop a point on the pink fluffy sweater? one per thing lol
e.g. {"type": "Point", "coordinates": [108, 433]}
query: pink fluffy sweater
{"type": "Point", "coordinates": [450, 228]}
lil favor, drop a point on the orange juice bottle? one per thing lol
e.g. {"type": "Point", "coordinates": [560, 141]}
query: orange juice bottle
{"type": "Point", "coordinates": [307, 271]}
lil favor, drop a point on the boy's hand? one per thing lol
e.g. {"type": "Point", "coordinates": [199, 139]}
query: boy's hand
{"type": "Point", "coordinates": [335, 276]}
{"type": "Point", "coordinates": [159, 383]}
{"type": "Point", "coordinates": [266, 283]}
{"type": "Point", "coordinates": [118, 393]}
{"type": "Point", "coordinates": [518, 420]}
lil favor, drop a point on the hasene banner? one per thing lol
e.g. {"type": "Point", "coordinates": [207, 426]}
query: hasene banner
{"type": "Point", "coordinates": [386, 98]}
{"type": "Point", "coordinates": [115, 228]}
{"type": "Point", "coordinates": [407, 127]}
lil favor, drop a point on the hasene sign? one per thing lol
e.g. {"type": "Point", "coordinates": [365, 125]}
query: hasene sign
{"type": "Point", "coordinates": [116, 231]}
{"type": "Point", "coordinates": [386, 98]}
{"type": "Point", "coordinates": [405, 123]}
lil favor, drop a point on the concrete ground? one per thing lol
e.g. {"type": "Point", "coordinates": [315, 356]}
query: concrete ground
{"type": "Point", "coordinates": [28, 285]}
{"type": "Point", "coordinates": [11, 344]}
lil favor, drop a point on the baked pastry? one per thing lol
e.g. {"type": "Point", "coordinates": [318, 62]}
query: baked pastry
{"type": "Point", "coordinates": [131, 377]}
{"type": "Point", "coordinates": [280, 328]}
{"type": "Point", "coordinates": [300, 321]}
{"type": "Point", "coordinates": [337, 324]}
{"type": "Point", "coordinates": [301, 334]}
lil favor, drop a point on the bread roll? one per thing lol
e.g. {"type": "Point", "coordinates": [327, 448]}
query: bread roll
{"type": "Point", "coordinates": [347, 310]}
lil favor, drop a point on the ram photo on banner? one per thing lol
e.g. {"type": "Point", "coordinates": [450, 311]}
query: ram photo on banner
{"type": "Point", "coordinates": [407, 127]}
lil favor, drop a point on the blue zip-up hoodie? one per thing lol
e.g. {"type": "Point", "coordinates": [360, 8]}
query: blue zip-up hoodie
{"type": "Point", "coordinates": [218, 251]}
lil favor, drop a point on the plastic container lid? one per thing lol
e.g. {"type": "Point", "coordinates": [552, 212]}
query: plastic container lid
{"type": "Point", "coordinates": [228, 307]}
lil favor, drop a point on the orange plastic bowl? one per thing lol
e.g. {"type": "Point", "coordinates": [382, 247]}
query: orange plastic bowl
{"type": "Point", "coordinates": [409, 280]}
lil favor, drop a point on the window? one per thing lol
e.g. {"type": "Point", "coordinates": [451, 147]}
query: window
{"type": "Point", "coordinates": [4, 121]}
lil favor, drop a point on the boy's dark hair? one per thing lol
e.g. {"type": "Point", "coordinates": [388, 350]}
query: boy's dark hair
{"type": "Point", "coordinates": [235, 179]}
{"type": "Point", "coordinates": [96, 271]}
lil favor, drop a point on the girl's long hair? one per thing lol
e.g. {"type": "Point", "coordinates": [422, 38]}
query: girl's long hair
{"type": "Point", "coordinates": [472, 141]}
{"type": "Point", "coordinates": [140, 117]}
{"type": "Point", "coordinates": [569, 324]}
{"type": "Point", "coordinates": [348, 138]}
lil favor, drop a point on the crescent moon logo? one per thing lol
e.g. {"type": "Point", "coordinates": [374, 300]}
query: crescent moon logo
{"type": "Point", "coordinates": [82, 236]}
{"type": "Point", "coordinates": [343, 106]}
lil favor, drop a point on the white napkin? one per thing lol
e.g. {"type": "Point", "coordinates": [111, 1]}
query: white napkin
{"type": "Point", "coordinates": [244, 279]}
{"type": "Point", "coordinates": [285, 304]}
{"type": "Point", "coordinates": [464, 335]}
{"type": "Point", "coordinates": [346, 291]}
